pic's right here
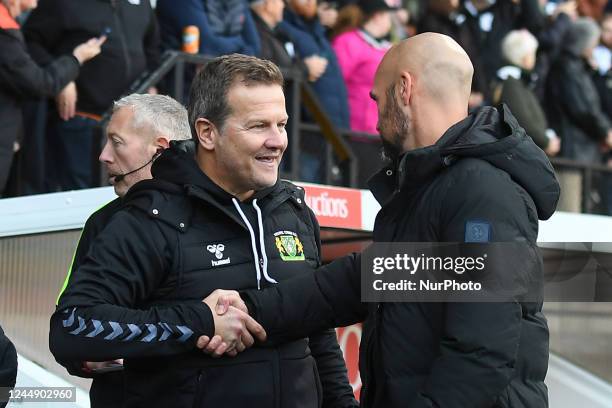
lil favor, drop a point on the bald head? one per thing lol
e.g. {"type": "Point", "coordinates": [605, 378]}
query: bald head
{"type": "Point", "coordinates": [422, 87]}
{"type": "Point", "coordinates": [439, 66]}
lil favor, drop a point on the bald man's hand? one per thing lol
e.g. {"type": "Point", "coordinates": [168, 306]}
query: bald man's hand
{"type": "Point", "coordinates": [221, 298]}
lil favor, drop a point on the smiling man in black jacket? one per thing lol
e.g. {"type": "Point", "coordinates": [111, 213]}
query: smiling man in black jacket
{"type": "Point", "coordinates": [455, 178]}
{"type": "Point", "coordinates": [221, 220]}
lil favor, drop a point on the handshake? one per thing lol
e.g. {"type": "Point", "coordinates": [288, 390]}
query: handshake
{"type": "Point", "coordinates": [234, 328]}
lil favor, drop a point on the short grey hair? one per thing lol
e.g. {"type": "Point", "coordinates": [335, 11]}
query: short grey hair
{"type": "Point", "coordinates": [582, 34]}
{"type": "Point", "coordinates": [517, 44]}
{"type": "Point", "coordinates": [161, 113]}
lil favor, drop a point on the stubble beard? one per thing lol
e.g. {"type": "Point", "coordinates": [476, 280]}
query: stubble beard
{"type": "Point", "coordinates": [395, 131]}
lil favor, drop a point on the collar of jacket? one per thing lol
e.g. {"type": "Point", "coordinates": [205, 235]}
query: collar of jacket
{"type": "Point", "coordinates": [377, 43]}
{"type": "Point", "coordinates": [529, 78]}
{"type": "Point", "coordinates": [154, 198]}
{"type": "Point", "coordinates": [416, 166]}
{"type": "Point", "coordinates": [509, 71]}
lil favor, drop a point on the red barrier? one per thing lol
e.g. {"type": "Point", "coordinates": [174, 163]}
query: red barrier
{"type": "Point", "coordinates": [349, 339]}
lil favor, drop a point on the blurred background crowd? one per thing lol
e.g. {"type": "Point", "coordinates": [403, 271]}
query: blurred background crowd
{"type": "Point", "coordinates": [549, 61]}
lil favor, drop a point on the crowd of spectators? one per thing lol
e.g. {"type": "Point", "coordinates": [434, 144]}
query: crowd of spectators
{"type": "Point", "coordinates": [548, 61]}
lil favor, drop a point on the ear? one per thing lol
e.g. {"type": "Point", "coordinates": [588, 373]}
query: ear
{"type": "Point", "coordinates": [405, 87]}
{"type": "Point", "coordinates": [162, 142]}
{"type": "Point", "coordinates": [206, 132]}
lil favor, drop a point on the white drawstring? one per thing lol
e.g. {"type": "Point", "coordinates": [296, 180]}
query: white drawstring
{"type": "Point", "coordinates": [253, 245]}
{"type": "Point", "coordinates": [262, 244]}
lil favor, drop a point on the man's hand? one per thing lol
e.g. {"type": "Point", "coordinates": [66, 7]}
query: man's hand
{"type": "Point", "coordinates": [234, 328]}
{"type": "Point", "coordinates": [316, 67]}
{"type": "Point", "coordinates": [89, 49]}
{"type": "Point", "coordinates": [66, 101]}
{"type": "Point", "coordinates": [554, 146]}
{"type": "Point", "coordinates": [220, 299]}
{"type": "Point", "coordinates": [93, 366]}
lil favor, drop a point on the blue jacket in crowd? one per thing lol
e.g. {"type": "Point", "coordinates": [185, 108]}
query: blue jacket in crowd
{"type": "Point", "coordinates": [226, 26]}
{"type": "Point", "coordinates": [309, 39]}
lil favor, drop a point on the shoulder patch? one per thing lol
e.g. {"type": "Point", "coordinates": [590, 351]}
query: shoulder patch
{"type": "Point", "coordinates": [477, 231]}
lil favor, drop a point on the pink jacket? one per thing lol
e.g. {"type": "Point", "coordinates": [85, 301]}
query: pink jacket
{"type": "Point", "coordinates": [359, 57]}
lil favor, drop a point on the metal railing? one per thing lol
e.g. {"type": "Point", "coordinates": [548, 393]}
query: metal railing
{"type": "Point", "coordinates": [588, 175]}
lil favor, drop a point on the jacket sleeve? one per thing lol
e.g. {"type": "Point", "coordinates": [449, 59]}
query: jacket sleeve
{"type": "Point", "coordinates": [92, 228]}
{"type": "Point", "coordinates": [337, 392]}
{"type": "Point", "coordinates": [101, 315]}
{"type": "Point", "coordinates": [479, 344]}
{"type": "Point", "coordinates": [578, 95]}
{"type": "Point", "coordinates": [329, 297]}
{"type": "Point", "coordinates": [25, 79]}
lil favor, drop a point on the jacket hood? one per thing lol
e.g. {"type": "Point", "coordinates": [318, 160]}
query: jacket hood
{"type": "Point", "coordinates": [490, 134]}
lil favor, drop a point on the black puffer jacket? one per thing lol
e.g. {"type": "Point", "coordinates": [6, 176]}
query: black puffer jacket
{"type": "Point", "coordinates": [138, 294]}
{"type": "Point", "coordinates": [22, 79]}
{"type": "Point", "coordinates": [55, 27]}
{"type": "Point", "coordinates": [442, 355]}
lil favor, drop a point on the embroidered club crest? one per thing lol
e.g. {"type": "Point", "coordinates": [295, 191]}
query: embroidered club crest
{"type": "Point", "coordinates": [289, 246]}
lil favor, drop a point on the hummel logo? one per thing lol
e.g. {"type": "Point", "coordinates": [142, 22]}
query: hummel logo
{"type": "Point", "coordinates": [218, 249]}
